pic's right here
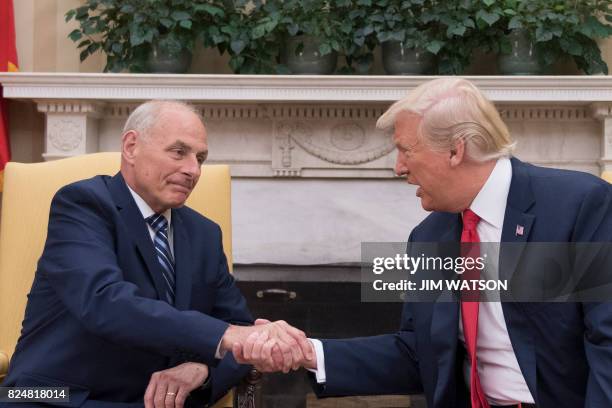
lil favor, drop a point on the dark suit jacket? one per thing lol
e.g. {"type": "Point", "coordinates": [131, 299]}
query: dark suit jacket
{"type": "Point", "coordinates": [564, 350]}
{"type": "Point", "coordinates": [94, 320]}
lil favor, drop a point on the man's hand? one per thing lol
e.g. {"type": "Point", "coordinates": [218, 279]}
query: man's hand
{"type": "Point", "coordinates": [286, 346]}
{"type": "Point", "coordinates": [170, 388]}
{"type": "Point", "coordinates": [280, 348]}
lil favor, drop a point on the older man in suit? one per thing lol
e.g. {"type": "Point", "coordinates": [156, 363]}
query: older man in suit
{"type": "Point", "coordinates": [454, 146]}
{"type": "Point", "coordinates": [132, 302]}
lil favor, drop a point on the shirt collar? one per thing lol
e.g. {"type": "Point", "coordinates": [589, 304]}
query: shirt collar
{"type": "Point", "coordinates": [490, 202]}
{"type": "Point", "coordinates": [145, 209]}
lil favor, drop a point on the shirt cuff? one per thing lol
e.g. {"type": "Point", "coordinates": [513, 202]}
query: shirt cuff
{"type": "Point", "coordinates": [320, 371]}
{"type": "Point", "coordinates": [218, 353]}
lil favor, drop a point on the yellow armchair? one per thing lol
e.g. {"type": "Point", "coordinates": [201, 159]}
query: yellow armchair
{"type": "Point", "coordinates": [607, 175]}
{"type": "Point", "coordinates": [28, 190]}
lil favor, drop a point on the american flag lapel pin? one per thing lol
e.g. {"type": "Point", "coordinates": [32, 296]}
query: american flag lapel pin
{"type": "Point", "coordinates": [520, 230]}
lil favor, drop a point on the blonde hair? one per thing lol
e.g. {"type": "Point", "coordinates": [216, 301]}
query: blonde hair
{"type": "Point", "coordinates": [452, 109]}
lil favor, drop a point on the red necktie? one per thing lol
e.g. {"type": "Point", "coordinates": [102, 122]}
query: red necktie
{"type": "Point", "coordinates": [470, 248]}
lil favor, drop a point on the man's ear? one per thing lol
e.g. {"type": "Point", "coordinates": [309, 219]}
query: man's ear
{"type": "Point", "coordinates": [129, 145]}
{"type": "Point", "coordinates": [457, 153]}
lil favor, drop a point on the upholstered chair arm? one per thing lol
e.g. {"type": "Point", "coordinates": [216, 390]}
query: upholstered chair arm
{"type": "Point", "coordinates": [3, 365]}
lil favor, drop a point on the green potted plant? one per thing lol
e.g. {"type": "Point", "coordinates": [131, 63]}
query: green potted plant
{"type": "Point", "coordinates": [446, 29]}
{"type": "Point", "coordinates": [408, 39]}
{"type": "Point", "coordinates": [562, 28]}
{"type": "Point", "coordinates": [359, 38]}
{"type": "Point", "coordinates": [249, 34]}
{"type": "Point", "coordinates": [311, 33]}
{"type": "Point", "coordinates": [143, 35]}
{"type": "Point", "coordinates": [530, 36]}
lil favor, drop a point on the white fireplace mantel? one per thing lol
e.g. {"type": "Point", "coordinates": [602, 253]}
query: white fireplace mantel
{"type": "Point", "coordinates": [281, 88]}
{"type": "Point", "coordinates": [312, 176]}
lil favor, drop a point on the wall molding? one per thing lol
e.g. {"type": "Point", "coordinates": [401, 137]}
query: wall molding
{"type": "Point", "coordinates": [244, 88]}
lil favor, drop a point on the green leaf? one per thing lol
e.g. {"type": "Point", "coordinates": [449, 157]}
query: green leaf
{"type": "Point", "coordinates": [259, 31]}
{"type": "Point", "coordinates": [127, 9]}
{"type": "Point", "coordinates": [515, 22]}
{"type": "Point", "coordinates": [136, 37]}
{"type": "Point", "coordinates": [84, 43]}
{"type": "Point", "coordinates": [210, 9]}
{"type": "Point", "coordinates": [488, 2]}
{"type": "Point", "coordinates": [399, 35]}
{"type": "Point", "coordinates": [270, 26]}
{"type": "Point", "coordinates": [543, 35]}
{"type": "Point", "coordinates": [457, 29]}
{"type": "Point", "coordinates": [489, 18]}
{"type": "Point", "coordinates": [573, 47]}
{"type": "Point", "coordinates": [148, 37]}
{"type": "Point", "coordinates": [75, 35]}
{"type": "Point", "coordinates": [237, 46]}
{"type": "Point", "coordinates": [186, 24]}
{"type": "Point", "coordinates": [70, 15]}
{"type": "Point", "coordinates": [82, 12]}
{"type": "Point", "coordinates": [293, 29]}
{"type": "Point", "coordinates": [434, 47]}
{"type": "Point", "coordinates": [468, 22]}
{"type": "Point", "coordinates": [217, 39]}
{"type": "Point", "coordinates": [325, 49]}
{"type": "Point", "coordinates": [166, 22]}
{"type": "Point", "coordinates": [93, 47]}
{"type": "Point", "coordinates": [180, 15]}
{"type": "Point", "coordinates": [83, 55]}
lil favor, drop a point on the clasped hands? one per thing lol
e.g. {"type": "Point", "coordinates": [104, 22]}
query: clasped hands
{"type": "Point", "coordinates": [270, 346]}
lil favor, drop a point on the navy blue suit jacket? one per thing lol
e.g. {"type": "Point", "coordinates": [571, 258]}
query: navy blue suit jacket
{"type": "Point", "coordinates": [564, 350]}
{"type": "Point", "coordinates": [94, 320]}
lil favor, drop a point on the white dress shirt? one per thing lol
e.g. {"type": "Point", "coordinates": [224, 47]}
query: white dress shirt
{"type": "Point", "coordinates": [146, 212]}
{"type": "Point", "coordinates": [498, 369]}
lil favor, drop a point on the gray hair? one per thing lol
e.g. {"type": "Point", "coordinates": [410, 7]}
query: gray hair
{"type": "Point", "coordinates": [145, 116]}
{"type": "Point", "coordinates": [452, 109]}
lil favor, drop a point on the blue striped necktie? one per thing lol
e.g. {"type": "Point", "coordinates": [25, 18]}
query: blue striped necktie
{"type": "Point", "coordinates": [162, 248]}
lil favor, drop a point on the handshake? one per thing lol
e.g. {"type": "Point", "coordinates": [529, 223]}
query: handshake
{"type": "Point", "coordinates": [270, 346]}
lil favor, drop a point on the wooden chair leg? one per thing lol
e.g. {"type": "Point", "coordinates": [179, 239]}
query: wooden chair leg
{"type": "Point", "coordinates": [248, 392]}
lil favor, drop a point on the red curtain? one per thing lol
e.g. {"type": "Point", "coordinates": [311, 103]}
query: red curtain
{"type": "Point", "coordinates": [8, 62]}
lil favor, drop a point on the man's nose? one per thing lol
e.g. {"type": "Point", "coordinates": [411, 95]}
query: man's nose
{"type": "Point", "coordinates": [191, 166]}
{"type": "Point", "coordinates": [400, 166]}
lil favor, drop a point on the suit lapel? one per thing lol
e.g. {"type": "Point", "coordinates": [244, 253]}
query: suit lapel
{"type": "Point", "coordinates": [516, 232]}
{"type": "Point", "coordinates": [445, 319]}
{"type": "Point", "coordinates": [517, 222]}
{"type": "Point", "coordinates": [137, 229]}
{"type": "Point", "coordinates": [182, 262]}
